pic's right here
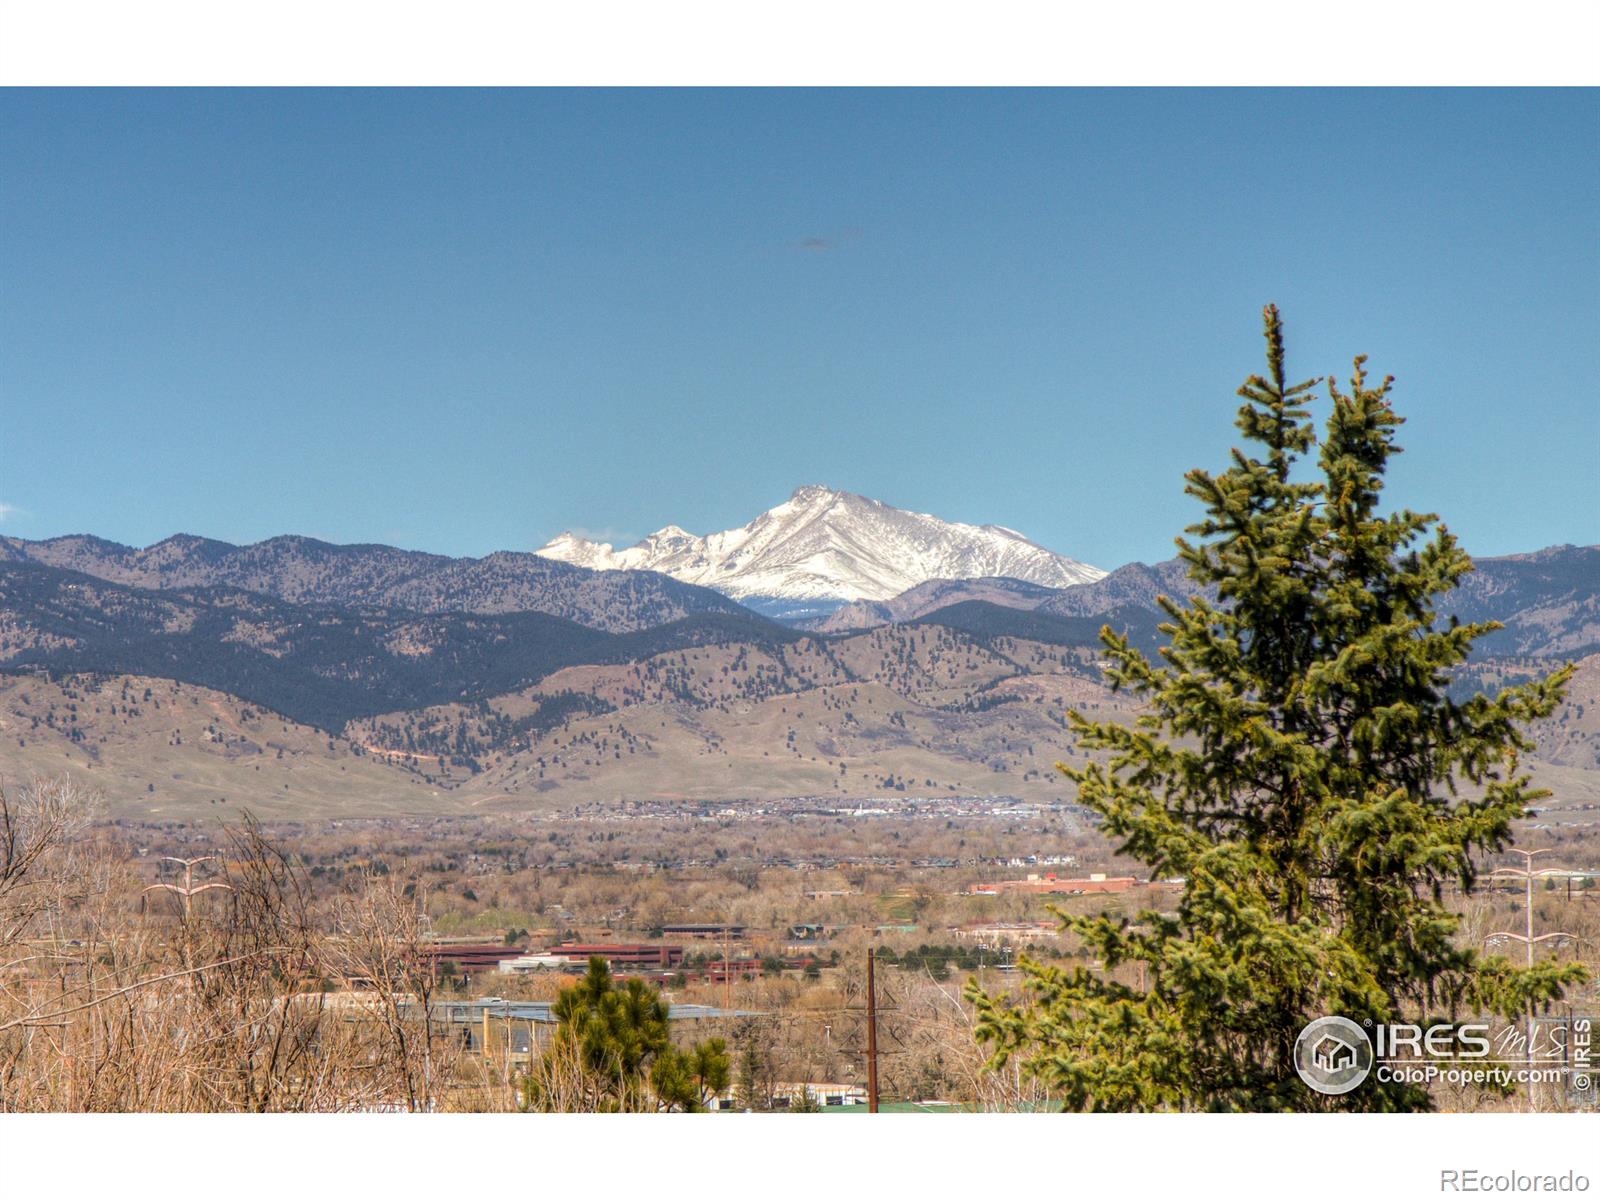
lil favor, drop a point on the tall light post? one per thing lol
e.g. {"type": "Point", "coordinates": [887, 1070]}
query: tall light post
{"type": "Point", "coordinates": [872, 1035]}
{"type": "Point", "coordinates": [188, 889]}
{"type": "Point", "coordinates": [1527, 874]}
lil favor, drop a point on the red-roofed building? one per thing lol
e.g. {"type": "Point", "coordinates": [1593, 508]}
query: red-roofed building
{"type": "Point", "coordinates": [641, 954]}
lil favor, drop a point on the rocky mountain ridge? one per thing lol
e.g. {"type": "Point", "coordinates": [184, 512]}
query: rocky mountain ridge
{"type": "Point", "coordinates": [828, 545]}
{"type": "Point", "coordinates": [303, 570]}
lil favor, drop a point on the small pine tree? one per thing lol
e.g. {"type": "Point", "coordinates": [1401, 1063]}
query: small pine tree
{"type": "Point", "coordinates": [613, 1052]}
{"type": "Point", "coordinates": [1300, 765]}
{"type": "Point", "coordinates": [753, 1091]}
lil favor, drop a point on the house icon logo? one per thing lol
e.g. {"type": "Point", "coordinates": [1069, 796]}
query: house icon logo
{"type": "Point", "coordinates": [1333, 1055]}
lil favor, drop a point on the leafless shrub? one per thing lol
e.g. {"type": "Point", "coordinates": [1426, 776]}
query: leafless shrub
{"type": "Point", "coordinates": [378, 939]}
{"type": "Point", "coordinates": [220, 999]}
{"type": "Point", "coordinates": [38, 830]}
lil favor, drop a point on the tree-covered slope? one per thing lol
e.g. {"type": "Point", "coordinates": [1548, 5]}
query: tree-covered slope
{"type": "Point", "coordinates": [318, 664]}
{"type": "Point", "coordinates": [306, 571]}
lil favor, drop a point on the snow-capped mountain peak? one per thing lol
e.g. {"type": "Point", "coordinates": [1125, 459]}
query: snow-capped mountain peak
{"type": "Point", "coordinates": [823, 544]}
{"type": "Point", "coordinates": [569, 547]}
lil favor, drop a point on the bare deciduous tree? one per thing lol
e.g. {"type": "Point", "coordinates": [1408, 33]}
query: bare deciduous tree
{"type": "Point", "coordinates": [378, 943]}
{"type": "Point", "coordinates": [37, 831]}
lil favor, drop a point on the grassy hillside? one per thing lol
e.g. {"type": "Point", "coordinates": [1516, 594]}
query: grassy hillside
{"type": "Point", "coordinates": [159, 749]}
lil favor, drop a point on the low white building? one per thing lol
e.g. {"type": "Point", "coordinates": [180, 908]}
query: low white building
{"type": "Point", "coordinates": [529, 963]}
{"type": "Point", "coordinates": [793, 1095]}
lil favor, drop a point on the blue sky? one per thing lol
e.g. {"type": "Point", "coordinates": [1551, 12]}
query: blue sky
{"type": "Point", "coordinates": [464, 321]}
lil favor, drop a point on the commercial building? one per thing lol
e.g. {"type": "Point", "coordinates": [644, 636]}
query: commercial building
{"type": "Point", "coordinates": [508, 1032]}
{"type": "Point", "coordinates": [718, 971]}
{"type": "Point", "coordinates": [797, 1095]}
{"type": "Point", "coordinates": [618, 954]}
{"type": "Point", "coordinates": [703, 932]}
{"type": "Point", "coordinates": [528, 964]}
{"type": "Point", "coordinates": [1051, 885]}
{"type": "Point", "coordinates": [466, 959]}
{"type": "Point", "coordinates": [999, 933]}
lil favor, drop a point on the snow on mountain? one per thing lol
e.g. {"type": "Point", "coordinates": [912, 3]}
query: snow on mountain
{"type": "Point", "coordinates": [822, 544]}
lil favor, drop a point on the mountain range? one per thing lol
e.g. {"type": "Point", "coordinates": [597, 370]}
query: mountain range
{"type": "Point", "coordinates": [302, 570]}
{"type": "Point", "coordinates": [323, 665]}
{"type": "Point", "coordinates": [309, 677]}
{"type": "Point", "coordinates": [1548, 601]}
{"type": "Point", "coordinates": [831, 547]}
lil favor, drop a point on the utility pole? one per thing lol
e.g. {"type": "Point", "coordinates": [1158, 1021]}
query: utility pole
{"type": "Point", "coordinates": [872, 1035]}
{"type": "Point", "coordinates": [188, 890]}
{"type": "Point", "coordinates": [727, 971]}
{"type": "Point", "coordinates": [1527, 874]}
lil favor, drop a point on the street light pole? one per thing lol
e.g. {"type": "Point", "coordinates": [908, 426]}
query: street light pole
{"type": "Point", "coordinates": [872, 1035]}
{"type": "Point", "coordinates": [1527, 874]}
{"type": "Point", "coordinates": [188, 890]}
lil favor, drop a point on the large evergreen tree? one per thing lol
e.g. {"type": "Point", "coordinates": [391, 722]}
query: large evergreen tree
{"type": "Point", "coordinates": [1300, 764]}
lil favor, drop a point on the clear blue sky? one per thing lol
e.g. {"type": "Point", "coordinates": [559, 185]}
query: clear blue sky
{"type": "Point", "coordinates": [464, 321]}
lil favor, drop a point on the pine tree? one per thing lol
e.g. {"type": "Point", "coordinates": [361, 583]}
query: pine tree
{"type": "Point", "coordinates": [752, 1090]}
{"type": "Point", "coordinates": [1300, 764]}
{"type": "Point", "coordinates": [613, 1052]}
